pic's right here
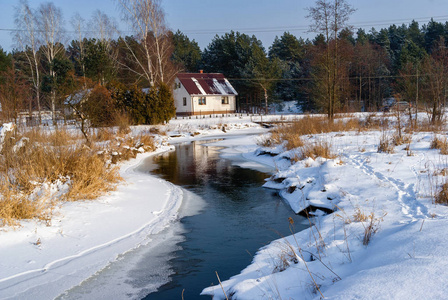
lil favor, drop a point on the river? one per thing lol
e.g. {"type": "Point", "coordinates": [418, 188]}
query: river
{"type": "Point", "coordinates": [226, 216]}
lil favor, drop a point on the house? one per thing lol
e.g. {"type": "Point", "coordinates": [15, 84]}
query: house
{"type": "Point", "coordinates": [203, 93]}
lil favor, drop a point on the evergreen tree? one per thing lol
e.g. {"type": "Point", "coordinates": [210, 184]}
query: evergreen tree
{"type": "Point", "coordinates": [433, 31]}
{"type": "Point", "coordinates": [290, 52]}
{"type": "Point", "coordinates": [186, 53]}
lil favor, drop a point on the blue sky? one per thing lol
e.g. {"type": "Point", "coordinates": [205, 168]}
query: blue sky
{"type": "Point", "coordinates": [203, 19]}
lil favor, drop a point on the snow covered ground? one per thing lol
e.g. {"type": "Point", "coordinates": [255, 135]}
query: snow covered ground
{"type": "Point", "coordinates": [389, 195]}
{"type": "Point", "coordinates": [42, 261]}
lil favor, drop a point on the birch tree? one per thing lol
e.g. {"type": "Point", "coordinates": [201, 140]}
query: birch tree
{"type": "Point", "coordinates": [27, 40]}
{"type": "Point", "coordinates": [147, 20]}
{"type": "Point", "coordinates": [79, 27]}
{"type": "Point", "coordinates": [50, 26]}
{"type": "Point", "coordinates": [104, 30]}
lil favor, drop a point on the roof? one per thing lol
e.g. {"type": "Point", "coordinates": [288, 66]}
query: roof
{"type": "Point", "coordinates": [206, 84]}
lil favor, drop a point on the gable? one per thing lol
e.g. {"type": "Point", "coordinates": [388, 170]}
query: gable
{"type": "Point", "coordinates": [206, 84]}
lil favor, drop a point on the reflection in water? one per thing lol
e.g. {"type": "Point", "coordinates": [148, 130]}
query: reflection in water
{"type": "Point", "coordinates": [239, 217]}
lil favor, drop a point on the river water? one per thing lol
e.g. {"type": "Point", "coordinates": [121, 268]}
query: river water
{"type": "Point", "coordinates": [238, 217]}
{"type": "Point", "coordinates": [225, 217]}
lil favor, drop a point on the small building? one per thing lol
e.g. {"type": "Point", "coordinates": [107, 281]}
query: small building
{"type": "Point", "coordinates": [203, 94]}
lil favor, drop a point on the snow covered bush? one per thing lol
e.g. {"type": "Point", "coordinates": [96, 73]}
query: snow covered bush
{"type": "Point", "coordinates": [49, 167]}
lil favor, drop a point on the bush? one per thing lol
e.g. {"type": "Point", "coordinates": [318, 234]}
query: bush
{"type": "Point", "coordinates": [46, 160]}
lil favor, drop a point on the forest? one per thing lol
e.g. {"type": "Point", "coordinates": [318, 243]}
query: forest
{"type": "Point", "coordinates": [101, 76]}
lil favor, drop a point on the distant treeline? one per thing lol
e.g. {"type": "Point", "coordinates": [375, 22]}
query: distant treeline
{"type": "Point", "coordinates": [409, 62]}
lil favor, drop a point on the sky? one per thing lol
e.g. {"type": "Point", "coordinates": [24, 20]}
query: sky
{"type": "Point", "coordinates": [201, 20]}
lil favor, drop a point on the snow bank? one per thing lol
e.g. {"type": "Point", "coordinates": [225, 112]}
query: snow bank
{"type": "Point", "coordinates": [41, 262]}
{"type": "Point", "coordinates": [406, 256]}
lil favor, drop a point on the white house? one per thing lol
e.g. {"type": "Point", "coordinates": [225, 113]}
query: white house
{"type": "Point", "coordinates": [203, 93]}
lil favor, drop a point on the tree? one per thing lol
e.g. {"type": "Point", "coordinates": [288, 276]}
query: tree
{"type": "Point", "coordinates": [5, 60]}
{"type": "Point", "coordinates": [147, 19]}
{"type": "Point", "coordinates": [50, 25]}
{"type": "Point", "coordinates": [291, 53]}
{"type": "Point", "coordinates": [186, 52]}
{"type": "Point", "coordinates": [13, 93]}
{"type": "Point", "coordinates": [329, 18]}
{"type": "Point", "coordinates": [99, 64]}
{"type": "Point", "coordinates": [27, 39]}
{"type": "Point", "coordinates": [435, 81]}
{"type": "Point", "coordinates": [243, 60]}
{"type": "Point", "coordinates": [76, 49]}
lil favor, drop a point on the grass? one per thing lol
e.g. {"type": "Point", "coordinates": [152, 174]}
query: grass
{"type": "Point", "coordinates": [319, 148]}
{"type": "Point", "coordinates": [441, 144]}
{"type": "Point", "coordinates": [32, 175]}
{"type": "Point", "coordinates": [442, 196]}
{"type": "Point", "coordinates": [385, 145]}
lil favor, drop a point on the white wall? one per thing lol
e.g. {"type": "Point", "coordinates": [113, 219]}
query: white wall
{"type": "Point", "coordinates": [179, 94]}
{"type": "Point", "coordinates": [213, 103]}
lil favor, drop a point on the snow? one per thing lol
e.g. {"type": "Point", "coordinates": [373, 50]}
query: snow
{"type": "Point", "coordinates": [41, 262]}
{"type": "Point", "coordinates": [405, 258]}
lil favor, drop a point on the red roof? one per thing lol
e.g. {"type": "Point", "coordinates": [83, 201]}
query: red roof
{"type": "Point", "coordinates": [206, 84]}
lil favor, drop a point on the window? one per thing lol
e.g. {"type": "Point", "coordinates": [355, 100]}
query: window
{"type": "Point", "coordinates": [176, 85]}
{"type": "Point", "coordinates": [202, 101]}
{"type": "Point", "coordinates": [224, 100]}
{"type": "Point", "coordinates": [185, 101]}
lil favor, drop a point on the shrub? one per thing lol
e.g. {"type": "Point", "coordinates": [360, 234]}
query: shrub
{"type": "Point", "coordinates": [315, 149]}
{"type": "Point", "coordinates": [442, 195]}
{"type": "Point", "coordinates": [385, 145]}
{"type": "Point", "coordinates": [55, 158]}
{"type": "Point", "coordinates": [441, 144]}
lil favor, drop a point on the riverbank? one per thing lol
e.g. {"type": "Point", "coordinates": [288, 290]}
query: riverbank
{"type": "Point", "coordinates": [384, 241]}
{"type": "Point", "coordinates": [43, 260]}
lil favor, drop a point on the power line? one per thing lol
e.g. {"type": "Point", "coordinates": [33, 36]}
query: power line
{"type": "Point", "coordinates": [276, 28]}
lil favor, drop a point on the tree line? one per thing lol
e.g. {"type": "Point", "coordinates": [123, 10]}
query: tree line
{"type": "Point", "coordinates": [100, 74]}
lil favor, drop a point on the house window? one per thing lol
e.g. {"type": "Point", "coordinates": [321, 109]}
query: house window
{"type": "Point", "coordinates": [185, 101]}
{"type": "Point", "coordinates": [176, 85]}
{"type": "Point", "coordinates": [202, 101]}
{"type": "Point", "coordinates": [224, 100]}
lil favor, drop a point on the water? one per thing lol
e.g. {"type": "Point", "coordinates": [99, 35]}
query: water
{"type": "Point", "coordinates": [239, 217]}
{"type": "Point", "coordinates": [225, 217]}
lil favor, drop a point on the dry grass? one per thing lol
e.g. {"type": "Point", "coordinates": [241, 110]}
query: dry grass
{"type": "Point", "coordinates": [319, 148]}
{"type": "Point", "coordinates": [385, 145]}
{"type": "Point", "coordinates": [398, 139]}
{"type": "Point", "coordinates": [310, 125]}
{"type": "Point", "coordinates": [441, 144]}
{"type": "Point", "coordinates": [442, 196]}
{"type": "Point", "coordinates": [359, 216]}
{"type": "Point", "coordinates": [36, 163]}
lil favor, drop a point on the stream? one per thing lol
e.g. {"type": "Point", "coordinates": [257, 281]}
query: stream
{"type": "Point", "coordinates": [225, 217]}
{"type": "Point", "coordinates": [237, 218]}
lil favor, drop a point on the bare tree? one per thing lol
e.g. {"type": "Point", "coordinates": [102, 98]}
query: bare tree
{"type": "Point", "coordinates": [329, 18]}
{"type": "Point", "coordinates": [51, 33]}
{"type": "Point", "coordinates": [79, 24]}
{"type": "Point", "coordinates": [27, 39]}
{"type": "Point", "coordinates": [13, 93]}
{"type": "Point", "coordinates": [147, 20]}
{"type": "Point", "coordinates": [103, 27]}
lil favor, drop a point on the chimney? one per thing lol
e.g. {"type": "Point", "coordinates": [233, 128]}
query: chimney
{"type": "Point", "coordinates": [201, 71]}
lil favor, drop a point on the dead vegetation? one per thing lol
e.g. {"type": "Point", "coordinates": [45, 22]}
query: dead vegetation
{"type": "Point", "coordinates": [439, 143]}
{"type": "Point", "coordinates": [39, 169]}
{"type": "Point", "coordinates": [442, 196]}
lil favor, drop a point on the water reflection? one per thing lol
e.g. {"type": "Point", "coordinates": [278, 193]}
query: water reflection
{"type": "Point", "coordinates": [239, 217]}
